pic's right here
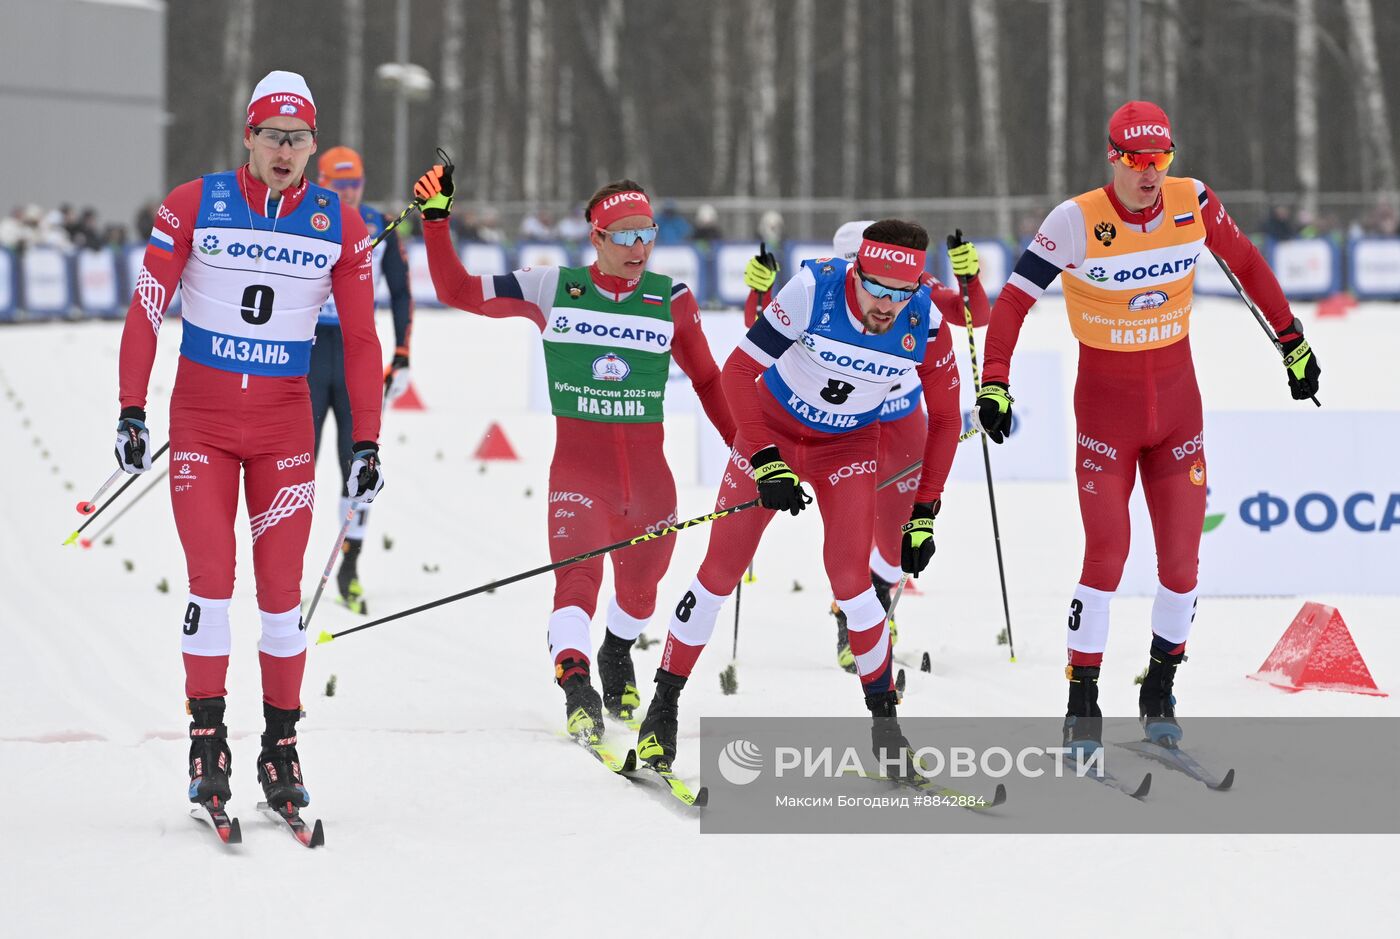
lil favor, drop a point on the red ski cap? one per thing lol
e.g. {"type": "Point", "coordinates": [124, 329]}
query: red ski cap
{"type": "Point", "coordinates": [282, 94]}
{"type": "Point", "coordinates": [1139, 125]}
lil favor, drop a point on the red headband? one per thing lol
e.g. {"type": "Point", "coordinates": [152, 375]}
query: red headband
{"type": "Point", "coordinates": [620, 205]}
{"type": "Point", "coordinates": [281, 104]}
{"type": "Point", "coordinates": [895, 261]}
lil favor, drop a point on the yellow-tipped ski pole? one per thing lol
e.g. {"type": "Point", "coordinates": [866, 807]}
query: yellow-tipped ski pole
{"type": "Point", "coordinates": [953, 242]}
{"type": "Point", "coordinates": [114, 497]}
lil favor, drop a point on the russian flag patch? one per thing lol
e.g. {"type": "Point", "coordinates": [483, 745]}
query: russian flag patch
{"type": "Point", "coordinates": [653, 298]}
{"type": "Point", "coordinates": [1183, 219]}
{"type": "Point", "coordinates": [162, 242]}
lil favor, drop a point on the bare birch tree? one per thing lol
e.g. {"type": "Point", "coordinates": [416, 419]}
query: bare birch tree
{"type": "Point", "coordinates": [986, 38]}
{"type": "Point", "coordinates": [803, 79]}
{"type": "Point", "coordinates": [452, 105]}
{"type": "Point", "coordinates": [564, 148]}
{"type": "Point", "coordinates": [721, 131]}
{"type": "Point", "coordinates": [1057, 101]}
{"type": "Point", "coordinates": [761, 55]}
{"type": "Point", "coordinates": [486, 81]}
{"type": "Point", "coordinates": [905, 70]}
{"type": "Point", "coordinates": [1115, 56]}
{"type": "Point", "coordinates": [505, 170]}
{"type": "Point", "coordinates": [238, 60]}
{"type": "Point", "coordinates": [536, 103]}
{"type": "Point", "coordinates": [635, 158]}
{"type": "Point", "coordinates": [850, 99]}
{"type": "Point", "coordinates": [1377, 146]}
{"type": "Point", "coordinates": [1305, 103]}
{"type": "Point", "coordinates": [352, 106]}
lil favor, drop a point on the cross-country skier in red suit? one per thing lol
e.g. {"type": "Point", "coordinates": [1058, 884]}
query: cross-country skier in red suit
{"type": "Point", "coordinates": [255, 251]}
{"type": "Point", "coordinates": [609, 331]}
{"type": "Point", "coordinates": [1127, 254]}
{"type": "Point", "coordinates": [806, 385]}
{"type": "Point", "coordinates": [903, 424]}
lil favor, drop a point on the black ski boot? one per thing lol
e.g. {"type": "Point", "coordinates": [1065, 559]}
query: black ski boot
{"type": "Point", "coordinates": [583, 708]}
{"type": "Point", "coordinates": [348, 577]}
{"type": "Point", "coordinates": [1156, 703]}
{"type": "Point", "coordinates": [210, 762]}
{"type": "Point", "coordinates": [279, 767]}
{"type": "Point", "coordinates": [656, 741]}
{"type": "Point", "coordinates": [619, 679]}
{"type": "Point", "coordinates": [844, 656]}
{"type": "Point", "coordinates": [1083, 728]}
{"type": "Point", "coordinates": [887, 741]}
{"type": "Point", "coordinates": [882, 593]}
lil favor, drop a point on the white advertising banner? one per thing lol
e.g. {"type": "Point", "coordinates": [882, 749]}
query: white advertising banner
{"type": "Point", "coordinates": [97, 283]}
{"type": "Point", "coordinates": [1375, 267]}
{"type": "Point", "coordinates": [420, 279]}
{"type": "Point", "coordinates": [484, 259]}
{"type": "Point", "coordinates": [7, 284]}
{"type": "Point", "coordinates": [681, 263]}
{"type": "Point", "coordinates": [1300, 503]}
{"type": "Point", "coordinates": [46, 281]}
{"type": "Point", "coordinates": [1306, 267]}
{"type": "Point", "coordinates": [730, 261]}
{"type": "Point", "coordinates": [1038, 447]}
{"type": "Point", "coordinates": [548, 254]}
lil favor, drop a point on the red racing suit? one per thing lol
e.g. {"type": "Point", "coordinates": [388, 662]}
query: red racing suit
{"type": "Point", "coordinates": [609, 480]}
{"type": "Point", "coordinates": [841, 466]}
{"type": "Point", "coordinates": [1136, 402]}
{"type": "Point", "coordinates": [253, 268]}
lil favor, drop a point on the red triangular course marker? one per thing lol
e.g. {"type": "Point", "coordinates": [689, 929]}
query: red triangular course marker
{"type": "Point", "coordinates": [494, 445]}
{"type": "Point", "coordinates": [409, 400]}
{"type": "Point", "coordinates": [1317, 653]}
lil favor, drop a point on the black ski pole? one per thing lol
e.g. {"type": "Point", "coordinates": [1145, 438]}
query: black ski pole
{"type": "Point", "coordinates": [114, 497]}
{"type": "Point", "coordinates": [587, 555]}
{"type": "Point", "coordinates": [1259, 317]}
{"type": "Point", "coordinates": [87, 542]}
{"type": "Point", "coordinates": [953, 242]}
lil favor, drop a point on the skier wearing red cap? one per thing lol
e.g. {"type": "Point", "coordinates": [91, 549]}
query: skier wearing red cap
{"type": "Point", "coordinates": [255, 252]}
{"type": "Point", "coordinates": [807, 384]}
{"type": "Point", "coordinates": [1128, 253]}
{"type": "Point", "coordinates": [610, 331]}
{"type": "Point", "coordinates": [341, 169]}
{"type": "Point", "coordinates": [903, 423]}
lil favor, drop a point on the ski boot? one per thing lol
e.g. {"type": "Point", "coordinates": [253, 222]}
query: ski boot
{"type": "Point", "coordinates": [619, 679]}
{"type": "Point", "coordinates": [882, 593]}
{"type": "Point", "coordinates": [1156, 703]}
{"type": "Point", "coordinates": [887, 741]}
{"type": "Point", "coordinates": [210, 762]}
{"type": "Point", "coordinates": [279, 767]}
{"type": "Point", "coordinates": [844, 656]}
{"type": "Point", "coordinates": [583, 708]}
{"type": "Point", "coordinates": [348, 577]}
{"type": "Point", "coordinates": [1083, 727]}
{"type": "Point", "coordinates": [656, 741]}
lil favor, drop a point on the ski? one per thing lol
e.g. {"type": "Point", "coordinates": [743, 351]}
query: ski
{"type": "Point", "coordinates": [287, 816]}
{"type": "Point", "coordinates": [963, 800]}
{"type": "Point", "coordinates": [1182, 762]}
{"type": "Point", "coordinates": [214, 815]}
{"type": "Point", "coordinates": [1113, 782]}
{"type": "Point", "coordinates": [603, 755]}
{"type": "Point", "coordinates": [674, 785]}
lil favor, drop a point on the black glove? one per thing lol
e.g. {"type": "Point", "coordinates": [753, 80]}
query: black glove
{"type": "Point", "coordinates": [366, 475]}
{"type": "Point", "coordinates": [433, 192]}
{"type": "Point", "coordinates": [133, 441]}
{"type": "Point", "coordinates": [1299, 361]}
{"type": "Point", "coordinates": [993, 410]}
{"type": "Point", "coordinates": [916, 547]}
{"type": "Point", "coordinates": [778, 487]}
{"type": "Point", "coordinates": [396, 376]}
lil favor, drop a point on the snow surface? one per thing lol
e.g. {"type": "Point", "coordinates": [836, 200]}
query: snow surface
{"type": "Point", "coordinates": [452, 804]}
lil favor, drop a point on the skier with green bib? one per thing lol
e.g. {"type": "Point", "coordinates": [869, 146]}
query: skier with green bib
{"type": "Point", "coordinates": [610, 330]}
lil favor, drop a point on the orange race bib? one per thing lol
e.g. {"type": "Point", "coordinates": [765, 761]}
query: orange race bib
{"type": "Point", "coordinates": [1134, 290]}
